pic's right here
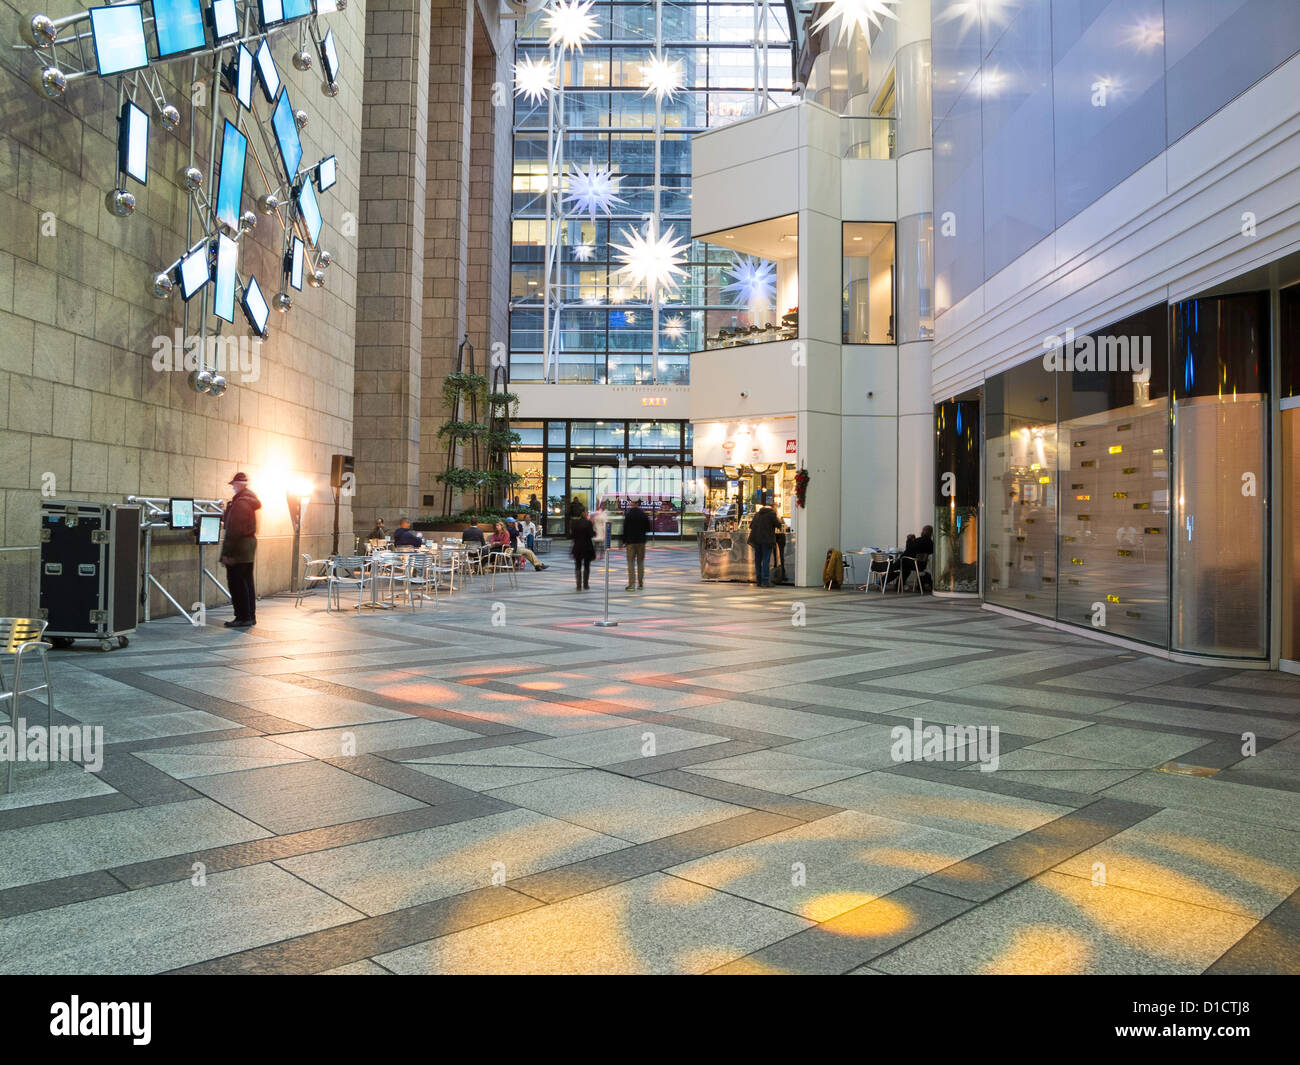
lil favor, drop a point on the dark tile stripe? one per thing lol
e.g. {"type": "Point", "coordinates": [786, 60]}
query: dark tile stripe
{"type": "Point", "coordinates": [739, 795]}
{"type": "Point", "coordinates": [1271, 948]}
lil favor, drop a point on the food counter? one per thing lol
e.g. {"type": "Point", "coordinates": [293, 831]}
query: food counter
{"type": "Point", "coordinates": [725, 554]}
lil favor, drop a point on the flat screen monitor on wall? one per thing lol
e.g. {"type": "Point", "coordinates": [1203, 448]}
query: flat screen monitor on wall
{"type": "Point", "coordinates": [266, 72]}
{"type": "Point", "coordinates": [329, 55]}
{"type": "Point", "coordinates": [297, 253]}
{"type": "Point", "coordinates": [225, 19]}
{"type": "Point", "coordinates": [118, 34]}
{"type": "Point", "coordinates": [270, 12]}
{"type": "Point", "coordinates": [285, 128]}
{"type": "Point", "coordinates": [223, 300]}
{"type": "Point", "coordinates": [230, 186]}
{"type": "Point", "coordinates": [309, 210]}
{"type": "Point", "coordinates": [194, 271]}
{"type": "Point", "coordinates": [133, 142]}
{"type": "Point", "coordinates": [240, 76]}
{"type": "Point", "coordinates": [178, 27]}
{"type": "Point", "coordinates": [255, 306]}
{"type": "Point", "coordinates": [327, 173]}
{"type": "Point", "coordinates": [296, 9]}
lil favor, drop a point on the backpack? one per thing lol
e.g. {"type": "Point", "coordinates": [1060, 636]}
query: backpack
{"type": "Point", "coordinates": [833, 570]}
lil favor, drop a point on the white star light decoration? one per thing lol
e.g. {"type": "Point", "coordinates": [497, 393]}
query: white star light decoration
{"type": "Point", "coordinates": [855, 15]}
{"type": "Point", "coordinates": [583, 253]}
{"type": "Point", "coordinates": [661, 77]}
{"type": "Point", "coordinates": [675, 327]}
{"type": "Point", "coordinates": [654, 261]}
{"type": "Point", "coordinates": [753, 281]}
{"type": "Point", "coordinates": [534, 79]}
{"type": "Point", "coordinates": [593, 189]}
{"type": "Point", "coordinates": [571, 23]}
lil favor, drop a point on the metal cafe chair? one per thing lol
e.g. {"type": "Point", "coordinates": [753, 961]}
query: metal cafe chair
{"type": "Point", "coordinates": [447, 566]}
{"type": "Point", "coordinates": [918, 563]}
{"type": "Point", "coordinates": [20, 637]}
{"type": "Point", "coordinates": [348, 571]}
{"type": "Point", "coordinates": [421, 575]}
{"type": "Point", "coordinates": [393, 567]}
{"type": "Point", "coordinates": [882, 568]}
{"type": "Point", "coordinates": [502, 561]}
{"type": "Point", "coordinates": [315, 572]}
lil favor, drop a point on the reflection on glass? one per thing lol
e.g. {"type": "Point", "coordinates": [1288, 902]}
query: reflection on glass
{"type": "Point", "coordinates": [752, 283]}
{"type": "Point", "coordinates": [1020, 494]}
{"type": "Point", "coordinates": [1290, 493]}
{"type": "Point", "coordinates": [867, 298]}
{"type": "Point", "coordinates": [1219, 370]}
{"type": "Point", "coordinates": [957, 497]}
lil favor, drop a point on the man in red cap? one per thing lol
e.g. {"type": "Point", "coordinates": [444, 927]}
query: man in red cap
{"type": "Point", "coordinates": [238, 551]}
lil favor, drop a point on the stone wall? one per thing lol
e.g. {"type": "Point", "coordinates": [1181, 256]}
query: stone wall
{"type": "Point", "coordinates": [80, 399]}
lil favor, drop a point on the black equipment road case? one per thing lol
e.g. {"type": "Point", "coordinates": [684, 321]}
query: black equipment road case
{"type": "Point", "coordinates": [90, 564]}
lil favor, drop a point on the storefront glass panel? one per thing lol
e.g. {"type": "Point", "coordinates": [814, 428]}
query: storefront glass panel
{"type": "Point", "coordinates": [1219, 368]}
{"type": "Point", "coordinates": [1021, 490]}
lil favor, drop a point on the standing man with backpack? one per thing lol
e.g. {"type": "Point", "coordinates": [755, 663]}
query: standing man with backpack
{"type": "Point", "coordinates": [636, 529]}
{"type": "Point", "coordinates": [239, 550]}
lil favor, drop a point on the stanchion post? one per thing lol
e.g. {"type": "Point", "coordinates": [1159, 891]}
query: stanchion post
{"type": "Point", "coordinates": [605, 623]}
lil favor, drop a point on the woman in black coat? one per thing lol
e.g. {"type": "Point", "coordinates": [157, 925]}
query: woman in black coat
{"type": "Point", "coordinates": [584, 549]}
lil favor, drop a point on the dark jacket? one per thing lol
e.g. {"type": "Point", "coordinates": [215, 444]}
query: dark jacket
{"type": "Point", "coordinates": [473, 535]}
{"type": "Point", "coordinates": [584, 536]}
{"type": "Point", "coordinates": [762, 527]}
{"type": "Point", "coordinates": [241, 528]}
{"type": "Point", "coordinates": [378, 533]}
{"type": "Point", "coordinates": [575, 510]}
{"type": "Point", "coordinates": [407, 538]}
{"type": "Point", "coordinates": [636, 526]}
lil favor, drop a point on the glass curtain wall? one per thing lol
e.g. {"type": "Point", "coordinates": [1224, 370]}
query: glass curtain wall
{"type": "Point", "coordinates": [606, 337]}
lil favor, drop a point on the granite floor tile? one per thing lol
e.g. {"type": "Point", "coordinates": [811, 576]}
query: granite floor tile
{"type": "Point", "coordinates": [830, 866]}
{"type": "Point", "coordinates": [346, 741]}
{"type": "Point", "coordinates": [493, 767]}
{"type": "Point", "coordinates": [1139, 748]}
{"type": "Point", "coordinates": [185, 761]}
{"type": "Point", "coordinates": [775, 770]}
{"type": "Point", "coordinates": [290, 798]}
{"type": "Point", "coordinates": [400, 871]}
{"type": "Point", "coordinates": [609, 746]}
{"type": "Point", "coordinates": [654, 924]}
{"type": "Point", "coordinates": [1045, 769]}
{"type": "Point", "coordinates": [627, 809]}
{"type": "Point", "coordinates": [1057, 924]}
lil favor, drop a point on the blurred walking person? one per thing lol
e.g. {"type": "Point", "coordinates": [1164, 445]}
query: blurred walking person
{"type": "Point", "coordinates": [584, 549]}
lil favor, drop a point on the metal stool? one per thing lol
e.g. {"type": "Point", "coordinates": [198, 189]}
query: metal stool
{"type": "Point", "coordinates": [20, 637]}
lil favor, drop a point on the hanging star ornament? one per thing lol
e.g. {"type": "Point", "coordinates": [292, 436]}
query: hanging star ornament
{"type": "Point", "coordinates": [583, 253]}
{"type": "Point", "coordinates": [534, 79]}
{"type": "Point", "coordinates": [593, 189]}
{"type": "Point", "coordinates": [753, 281]}
{"type": "Point", "coordinates": [661, 77]}
{"type": "Point", "coordinates": [652, 260]}
{"type": "Point", "coordinates": [571, 24]}
{"type": "Point", "coordinates": [675, 327]}
{"type": "Point", "coordinates": [855, 15]}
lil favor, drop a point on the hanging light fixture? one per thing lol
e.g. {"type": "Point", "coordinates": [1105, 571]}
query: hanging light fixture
{"type": "Point", "coordinates": [571, 24]}
{"type": "Point", "coordinates": [661, 77]}
{"type": "Point", "coordinates": [855, 15]}
{"type": "Point", "coordinates": [534, 79]}
{"type": "Point", "coordinates": [652, 260]}
{"type": "Point", "coordinates": [594, 189]}
{"type": "Point", "coordinates": [675, 327]}
{"type": "Point", "coordinates": [753, 281]}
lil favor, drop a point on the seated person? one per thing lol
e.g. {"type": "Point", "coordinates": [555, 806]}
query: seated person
{"type": "Point", "coordinates": [473, 535]}
{"type": "Point", "coordinates": [378, 532]}
{"type": "Point", "coordinates": [528, 529]}
{"type": "Point", "coordinates": [501, 540]}
{"type": "Point", "coordinates": [405, 536]}
{"type": "Point", "coordinates": [921, 548]}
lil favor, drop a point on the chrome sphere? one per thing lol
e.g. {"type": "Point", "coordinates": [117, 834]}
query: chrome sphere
{"type": "Point", "coordinates": [201, 381]}
{"type": "Point", "coordinates": [324, 259]}
{"type": "Point", "coordinates": [343, 5]}
{"type": "Point", "coordinates": [330, 88]}
{"type": "Point", "coordinates": [217, 386]}
{"type": "Point", "coordinates": [162, 286]}
{"type": "Point", "coordinates": [247, 222]}
{"type": "Point", "coordinates": [317, 279]}
{"type": "Point", "coordinates": [120, 202]}
{"type": "Point", "coordinates": [192, 178]}
{"type": "Point", "coordinates": [50, 82]}
{"type": "Point", "coordinates": [302, 60]}
{"type": "Point", "coordinates": [268, 204]}
{"type": "Point", "coordinates": [300, 117]}
{"type": "Point", "coordinates": [282, 301]}
{"type": "Point", "coordinates": [40, 32]}
{"type": "Point", "coordinates": [171, 117]}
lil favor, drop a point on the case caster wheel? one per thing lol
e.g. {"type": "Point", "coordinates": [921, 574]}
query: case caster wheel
{"type": "Point", "coordinates": [122, 641]}
{"type": "Point", "coordinates": [105, 645]}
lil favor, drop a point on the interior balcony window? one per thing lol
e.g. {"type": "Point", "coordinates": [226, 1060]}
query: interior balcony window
{"type": "Point", "coordinates": [752, 283]}
{"type": "Point", "coordinates": [868, 293]}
